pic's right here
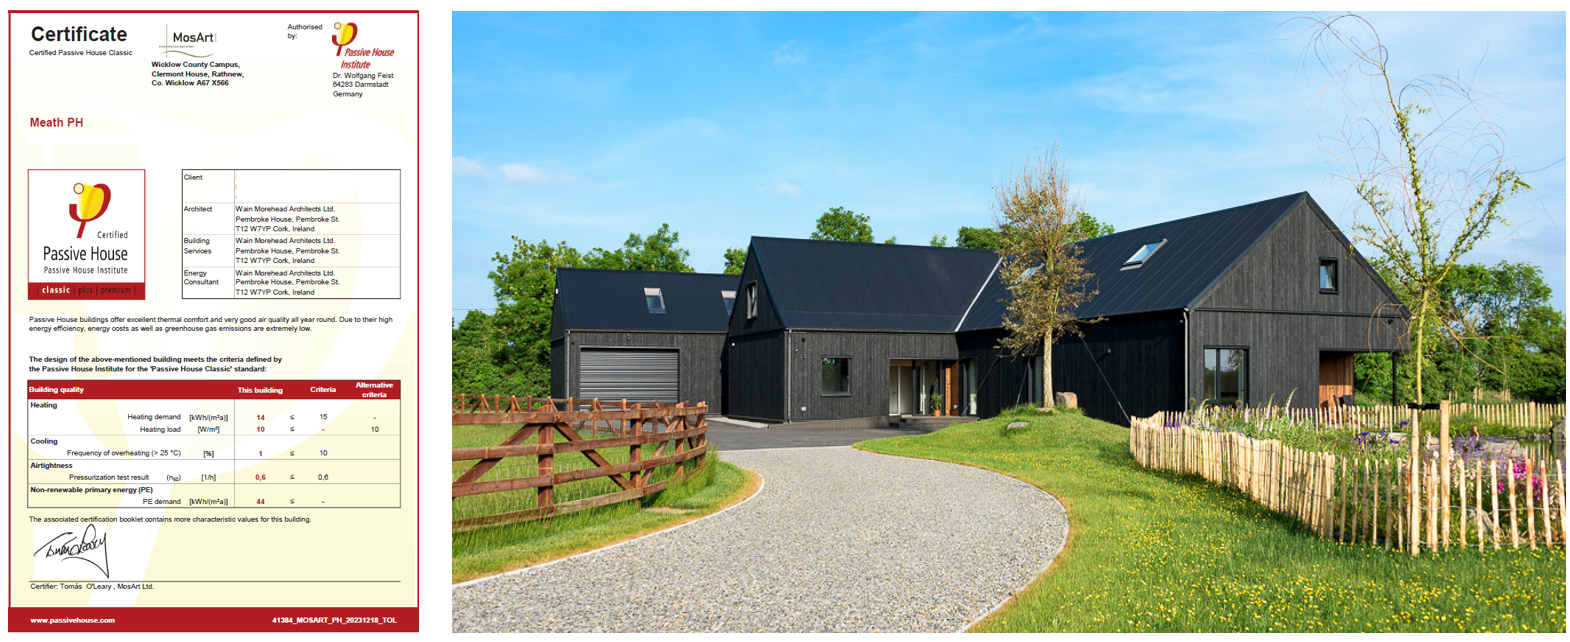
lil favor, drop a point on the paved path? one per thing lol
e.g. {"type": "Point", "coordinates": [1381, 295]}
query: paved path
{"type": "Point", "coordinates": [837, 540]}
{"type": "Point", "coordinates": [728, 436]}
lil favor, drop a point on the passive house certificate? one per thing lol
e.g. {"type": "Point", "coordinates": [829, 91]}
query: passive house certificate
{"type": "Point", "coordinates": [212, 343]}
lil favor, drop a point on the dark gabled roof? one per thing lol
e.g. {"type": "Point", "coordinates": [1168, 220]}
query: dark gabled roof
{"type": "Point", "coordinates": [870, 286]}
{"type": "Point", "coordinates": [613, 300]}
{"type": "Point", "coordinates": [1198, 250]}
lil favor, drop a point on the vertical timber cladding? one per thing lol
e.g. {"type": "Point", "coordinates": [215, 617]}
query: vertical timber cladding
{"type": "Point", "coordinates": [1284, 349]}
{"type": "Point", "coordinates": [869, 353]}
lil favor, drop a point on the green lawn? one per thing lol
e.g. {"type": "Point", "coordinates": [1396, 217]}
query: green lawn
{"type": "Point", "coordinates": [1156, 551]}
{"type": "Point", "coordinates": [498, 549]}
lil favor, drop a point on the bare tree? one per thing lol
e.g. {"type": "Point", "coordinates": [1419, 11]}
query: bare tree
{"type": "Point", "coordinates": [1426, 162]}
{"type": "Point", "coordinates": [1039, 221]}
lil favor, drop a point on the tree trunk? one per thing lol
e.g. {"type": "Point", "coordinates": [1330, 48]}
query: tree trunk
{"type": "Point", "coordinates": [1046, 373]}
{"type": "Point", "coordinates": [1422, 328]}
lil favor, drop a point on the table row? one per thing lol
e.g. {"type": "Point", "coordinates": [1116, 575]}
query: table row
{"type": "Point", "coordinates": [198, 496]}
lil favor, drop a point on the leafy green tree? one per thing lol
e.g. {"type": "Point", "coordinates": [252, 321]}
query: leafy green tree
{"type": "Point", "coordinates": [656, 252]}
{"type": "Point", "coordinates": [1084, 228]}
{"type": "Point", "coordinates": [1498, 324]}
{"type": "Point", "coordinates": [939, 240]}
{"type": "Point", "coordinates": [1430, 169]}
{"type": "Point", "coordinates": [524, 283]}
{"type": "Point", "coordinates": [840, 224]}
{"type": "Point", "coordinates": [1040, 261]}
{"type": "Point", "coordinates": [735, 258]}
{"type": "Point", "coordinates": [978, 238]}
{"type": "Point", "coordinates": [891, 240]}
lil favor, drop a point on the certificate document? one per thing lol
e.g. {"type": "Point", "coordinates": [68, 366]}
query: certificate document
{"type": "Point", "coordinates": [212, 344]}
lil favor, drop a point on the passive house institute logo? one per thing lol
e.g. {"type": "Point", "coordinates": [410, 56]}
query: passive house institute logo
{"type": "Point", "coordinates": [93, 202]}
{"type": "Point", "coordinates": [83, 253]}
{"type": "Point", "coordinates": [346, 31]}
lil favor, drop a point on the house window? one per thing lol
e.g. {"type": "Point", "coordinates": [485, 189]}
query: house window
{"type": "Point", "coordinates": [836, 376]}
{"type": "Point", "coordinates": [729, 297]}
{"type": "Point", "coordinates": [1329, 279]}
{"type": "Point", "coordinates": [1143, 254]}
{"type": "Point", "coordinates": [752, 300]}
{"type": "Point", "coordinates": [1226, 376]}
{"type": "Point", "coordinates": [655, 300]}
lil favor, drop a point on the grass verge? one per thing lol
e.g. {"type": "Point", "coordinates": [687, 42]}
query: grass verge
{"type": "Point", "coordinates": [1156, 551]}
{"type": "Point", "coordinates": [499, 549]}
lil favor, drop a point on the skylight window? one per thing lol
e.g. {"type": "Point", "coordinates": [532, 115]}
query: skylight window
{"type": "Point", "coordinates": [1143, 254]}
{"type": "Point", "coordinates": [655, 299]}
{"type": "Point", "coordinates": [729, 296]}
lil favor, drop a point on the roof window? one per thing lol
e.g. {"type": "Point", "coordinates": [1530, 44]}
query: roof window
{"type": "Point", "coordinates": [1143, 254]}
{"type": "Point", "coordinates": [729, 296]}
{"type": "Point", "coordinates": [655, 299]}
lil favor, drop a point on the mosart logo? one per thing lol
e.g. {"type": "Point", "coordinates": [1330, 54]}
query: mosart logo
{"type": "Point", "coordinates": [346, 31]}
{"type": "Point", "coordinates": [92, 203]}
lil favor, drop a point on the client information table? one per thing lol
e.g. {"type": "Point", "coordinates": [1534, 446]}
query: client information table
{"type": "Point", "coordinates": [290, 233]}
{"type": "Point", "coordinates": [213, 444]}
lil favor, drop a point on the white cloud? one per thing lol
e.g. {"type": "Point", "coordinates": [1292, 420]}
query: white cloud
{"type": "Point", "coordinates": [521, 173]}
{"type": "Point", "coordinates": [792, 52]}
{"type": "Point", "coordinates": [782, 188]}
{"type": "Point", "coordinates": [465, 167]}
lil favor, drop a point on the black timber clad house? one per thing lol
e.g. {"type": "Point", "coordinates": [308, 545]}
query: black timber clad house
{"type": "Point", "coordinates": [1249, 304]}
{"type": "Point", "coordinates": [1229, 306]}
{"type": "Point", "coordinates": [828, 330]}
{"type": "Point", "coordinates": [639, 336]}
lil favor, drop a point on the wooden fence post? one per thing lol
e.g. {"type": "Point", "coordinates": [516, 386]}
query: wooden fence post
{"type": "Point", "coordinates": [1515, 533]}
{"type": "Point", "coordinates": [1531, 514]}
{"type": "Point", "coordinates": [1444, 467]}
{"type": "Point", "coordinates": [545, 495]}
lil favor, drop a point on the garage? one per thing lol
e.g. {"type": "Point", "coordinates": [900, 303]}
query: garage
{"type": "Point", "coordinates": [637, 375]}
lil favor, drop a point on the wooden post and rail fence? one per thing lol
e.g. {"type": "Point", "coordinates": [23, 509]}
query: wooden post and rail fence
{"type": "Point", "coordinates": [547, 430]}
{"type": "Point", "coordinates": [1413, 498]}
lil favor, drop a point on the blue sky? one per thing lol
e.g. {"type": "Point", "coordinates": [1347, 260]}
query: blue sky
{"type": "Point", "coordinates": [586, 127]}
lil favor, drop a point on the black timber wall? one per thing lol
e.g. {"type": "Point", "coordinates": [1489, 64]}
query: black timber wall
{"type": "Point", "coordinates": [767, 319]}
{"type": "Point", "coordinates": [698, 361]}
{"type": "Point", "coordinates": [1281, 272]}
{"type": "Point", "coordinates": [1283, 349]}
{"type": "Point", "coordinates": [869, 353]}
{"type": "Point", "coordinates": [1000, 378]}
{"type": "Point", "coordinates": [1139, 355]}
{"type": "Point", "coordinates": [558, 368]}
{"type": "Point", "coordinates": [1270, 303]}
{"type": "Point", "coordinates": [755, 376]}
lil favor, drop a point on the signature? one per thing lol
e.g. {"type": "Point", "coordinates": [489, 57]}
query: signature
{"type": "Point", "coordinates": [82, 548]}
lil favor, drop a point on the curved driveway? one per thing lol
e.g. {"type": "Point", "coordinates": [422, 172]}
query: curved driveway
{"type": "Point", "coordinates": [837, 540]}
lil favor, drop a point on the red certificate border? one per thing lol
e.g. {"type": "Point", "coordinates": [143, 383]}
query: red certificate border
{"type": "Point", "coordinates": [214, 619]}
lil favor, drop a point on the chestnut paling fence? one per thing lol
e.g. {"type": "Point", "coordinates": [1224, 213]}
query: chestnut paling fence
{"type": "Point", "coordinates": [1414, 498]}
{"type": "Point", "coordinates": [1521, 415]}
{"type": "Point", "coordinates": [519, 459]}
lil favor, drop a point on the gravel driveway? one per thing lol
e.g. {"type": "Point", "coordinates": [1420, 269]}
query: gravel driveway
{"type": "Point", "coordinates": [837, 540]}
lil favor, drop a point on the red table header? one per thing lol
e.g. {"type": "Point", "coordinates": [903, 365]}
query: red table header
{"type": "Point", "coordinates": [213, 389]}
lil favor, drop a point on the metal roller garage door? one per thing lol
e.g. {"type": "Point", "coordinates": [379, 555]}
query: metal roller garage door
{"type": "Point", "coordinates": [635, 375]}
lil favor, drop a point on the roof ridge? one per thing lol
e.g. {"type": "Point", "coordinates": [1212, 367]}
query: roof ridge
{"type": "Point", "coordinates": [872, 243]}
{"type": "Point", "coordinates": [1293, 196]}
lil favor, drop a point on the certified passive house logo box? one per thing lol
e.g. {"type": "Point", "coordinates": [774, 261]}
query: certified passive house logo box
{"type": "Point", "coordinates": [86, 234]}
